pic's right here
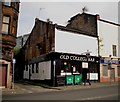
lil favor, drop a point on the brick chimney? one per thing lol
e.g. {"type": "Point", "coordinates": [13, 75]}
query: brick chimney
{"type": "Point", "coordinates": [98, 16]}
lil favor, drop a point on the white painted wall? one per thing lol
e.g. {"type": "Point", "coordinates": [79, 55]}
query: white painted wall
{"type": "Point", "coordinates": [68, 42]}
{"type": "Point", "coordinates": [44, 71]}
{"type": "Point", "coordinates": [119, 42]}
{"type": "Point", "coordinates": [26, 73]}
{"type": "Point", "coordinates": [109, 34]}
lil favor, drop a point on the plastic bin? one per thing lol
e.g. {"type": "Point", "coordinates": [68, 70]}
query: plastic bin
{"type": "Point", "coordinates": [78, 79]}
{"type": "Point", "coordinates": [70, 79]}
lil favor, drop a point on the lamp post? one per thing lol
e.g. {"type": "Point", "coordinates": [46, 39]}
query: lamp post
{"type": "Point", "coordinates": [14, 61]}
{"type": "Point", "coordinates": [54, 63]}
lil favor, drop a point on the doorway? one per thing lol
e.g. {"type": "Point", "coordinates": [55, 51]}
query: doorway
{"type": "Point", "coordinates": [3, 73]}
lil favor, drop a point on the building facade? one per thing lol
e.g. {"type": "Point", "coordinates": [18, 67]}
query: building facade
{"type": "Point", "coordinates": [21, 40]}
{"type": "Point", "coordinates": [109, 50]}
{"type": "Point", "coordinates": [54, 52]}
{"type": "Point", "coordinates": [8, 31]}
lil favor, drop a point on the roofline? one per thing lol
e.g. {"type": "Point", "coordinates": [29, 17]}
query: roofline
{"type": "Point", "coordinates": [109, 22]}
{"type": "Point", "coordinates": [63, 28]}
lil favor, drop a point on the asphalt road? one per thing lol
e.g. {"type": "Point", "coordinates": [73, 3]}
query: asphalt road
{"type": "Point", "coordinates": [101, 93]}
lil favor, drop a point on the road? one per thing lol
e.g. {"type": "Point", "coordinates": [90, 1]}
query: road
{"type": "Point", "coordinates": [101, 93]}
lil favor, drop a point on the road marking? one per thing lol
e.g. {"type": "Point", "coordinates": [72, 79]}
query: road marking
{"type": "Point", "coordinates": [98, 97]}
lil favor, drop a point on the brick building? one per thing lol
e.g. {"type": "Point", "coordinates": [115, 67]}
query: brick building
{"type": "Point", "coordinates": [20, 41]}
{"type": "Point", "coordinates": [53, 51]}
{"type": "Point", "coordinates": [9, 20]}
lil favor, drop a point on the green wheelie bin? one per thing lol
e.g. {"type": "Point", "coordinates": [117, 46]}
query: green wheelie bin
{"type": "Point", "coordinates": [69, 79]}
{"type": "Point", "coordinates": [78, 79]}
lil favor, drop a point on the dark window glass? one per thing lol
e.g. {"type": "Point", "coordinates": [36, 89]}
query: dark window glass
{"type": "Point", "coordinates": [114, 50]}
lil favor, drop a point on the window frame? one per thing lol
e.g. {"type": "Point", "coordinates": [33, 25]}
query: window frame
{"type": "Point", "coordinates": [103, 71]}
{"type": "Point", "coordinates": [114, 50]}
{"type": "Point", "coordinates": [7, 2]}
{"type": "Point", "coordinates": [118, 71]}
{"type": "Point", "coordinates": [6, 23]}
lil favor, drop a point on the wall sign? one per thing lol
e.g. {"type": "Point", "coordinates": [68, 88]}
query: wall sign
{"type": "Point", "coordinates": [77, 58]}
{"type": "Point", "coordinates": [109, 61]}
{"type": "Point", "coordinates": [84, 65]}
{"type": "Point", "coordinates": [93, 76]}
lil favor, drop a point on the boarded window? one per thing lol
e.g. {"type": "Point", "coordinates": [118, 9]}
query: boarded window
{"type": "Point", "coordinates": [114, 50]}
{"type": "Point", "coordinates": [105, 71]}
{"type": "Point", "coordinates": [118, 71]}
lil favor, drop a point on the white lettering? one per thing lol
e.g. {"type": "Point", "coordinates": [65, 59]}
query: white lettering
{"type": "Point", "coordinates": [76, 58]}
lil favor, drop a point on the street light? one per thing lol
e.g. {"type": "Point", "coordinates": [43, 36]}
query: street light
{"type": "Point", "coordinates": [14, 61]}
{"type": "Point", "coordinates": [54, 63]}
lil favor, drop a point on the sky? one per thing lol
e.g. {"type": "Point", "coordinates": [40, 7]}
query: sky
{"type": "Point", "coordinates": [61, 11]}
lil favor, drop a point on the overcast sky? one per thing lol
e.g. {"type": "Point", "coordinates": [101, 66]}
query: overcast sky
{"type": "Point", "coordinates": [61, 12]}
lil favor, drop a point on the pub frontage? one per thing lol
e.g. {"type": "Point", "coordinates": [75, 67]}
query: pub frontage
{"type": "Point", "coordinates": [63, 68]}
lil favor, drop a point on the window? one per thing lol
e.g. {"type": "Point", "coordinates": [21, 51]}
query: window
{"type": "Point", "coordinates": [14, 25]}
{"type": "Point", "coordinates": [105, 70]}
{"type": "Point", "coordinates": [5, 24]}
{"type": "Point", "coordinates": [114, 50]}
{"type": "Point", "coordinates": [7, 2]}
{"type": "Point", "coordinates": [118, 71]}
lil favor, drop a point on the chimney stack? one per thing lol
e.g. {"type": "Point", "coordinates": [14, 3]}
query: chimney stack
{"type": "Point", "coordinates": [98, 16]}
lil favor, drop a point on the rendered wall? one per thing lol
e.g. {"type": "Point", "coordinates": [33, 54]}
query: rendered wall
{"type": "Point", "coordinates": [109, 35]}
{"type": "Point", "coordinates": [68, 42]}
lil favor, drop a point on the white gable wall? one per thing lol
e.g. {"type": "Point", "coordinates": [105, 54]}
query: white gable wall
{"type": "Point", "coordinates": [109, 33]}
{"type": "Point", "coordinates": [68, 42]}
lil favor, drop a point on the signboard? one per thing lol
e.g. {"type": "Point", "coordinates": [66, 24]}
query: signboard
{"type": "Point", "coordinates": [77, 58]}
{"type": "Point", "coordinates": [84, 65]}
{"type": "Point", "coordinates": [109, 61]}
{"type": "Point", "coordinates": [93, 76]}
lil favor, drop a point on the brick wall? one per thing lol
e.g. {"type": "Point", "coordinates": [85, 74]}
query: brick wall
{"type": "Point", "coordinates": [40, 41]}
{"type": "Point", "coordinates": [84, 22]}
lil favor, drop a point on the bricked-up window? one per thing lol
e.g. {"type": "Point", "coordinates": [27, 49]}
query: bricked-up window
{"type": "Point", "coordinates": [105, 71]}
{"type": "Point", "coordinates": [118, 71]}
{"type": "Point", "coordinates": [5, 24]}
{"type": "Point", "coordinates": [114, 50]}
{"type": "Point", "coordinates": [7, 2]}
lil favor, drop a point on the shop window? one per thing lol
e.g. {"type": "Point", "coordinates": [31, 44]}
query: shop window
{"type": "Point", "coordinates": [105, 70]}
{"type": "Point", "coordinates": [114, 50]}
{"type": "Point", "coordinates": [93, 68]}
{"type": "Point", "coordinates": [7, 2]}
{"type": "Point", "coordinates": [5, 24]}
{"type": "Point", "coordinates": [65, 68]}
{"type": "Point", "coordinates": [118, 71]}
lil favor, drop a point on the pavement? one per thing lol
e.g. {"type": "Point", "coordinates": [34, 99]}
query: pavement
{"type": "Point", "coordinates": [26, 88]}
